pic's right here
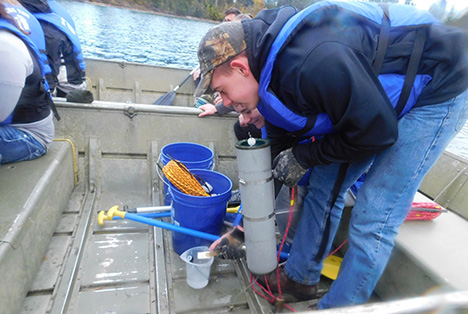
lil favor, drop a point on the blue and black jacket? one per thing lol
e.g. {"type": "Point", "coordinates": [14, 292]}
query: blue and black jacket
{"type": "Point", "coordinates": [320, 72]}
{"type": "Point", "coordinates": [35, 101]}
{"type": "Point", "coordinates": [61, 39]}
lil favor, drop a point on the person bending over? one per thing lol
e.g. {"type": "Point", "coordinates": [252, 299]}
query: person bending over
{"type": "Point", "coordinates": [380, 87]}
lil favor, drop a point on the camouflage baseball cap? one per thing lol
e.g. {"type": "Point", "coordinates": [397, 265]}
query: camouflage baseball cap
{"type": "Point", "coordinates": [222, 43]}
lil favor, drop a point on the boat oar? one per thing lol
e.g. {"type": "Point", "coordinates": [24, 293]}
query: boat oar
{"type": "Point", "coordinates": [168, 98]}
{"type": "Point", "coordinates": [114, 211]}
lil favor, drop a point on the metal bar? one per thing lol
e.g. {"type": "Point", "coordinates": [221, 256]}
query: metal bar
{"type": "Point", "coordinates": [450, 302]}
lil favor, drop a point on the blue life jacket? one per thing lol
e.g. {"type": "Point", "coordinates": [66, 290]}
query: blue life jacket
{"type": "Point", "coordinates": [60, 18]}
{"type": "Point", "coordinates": [35, 100]}
{"type": "Point", "coordinates": [278, 114]}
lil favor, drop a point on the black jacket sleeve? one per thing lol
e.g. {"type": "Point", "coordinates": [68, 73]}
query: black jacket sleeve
{"type": "Point", "coordinates": [340, 82]}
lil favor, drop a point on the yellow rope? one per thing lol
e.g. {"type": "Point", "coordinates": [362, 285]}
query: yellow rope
{"type": "Point", "coordinates": [75, 167]}
{"type": "Point", "coordinates": [89, 83]}
{"type": "Point", "coordinates": [180, 177]}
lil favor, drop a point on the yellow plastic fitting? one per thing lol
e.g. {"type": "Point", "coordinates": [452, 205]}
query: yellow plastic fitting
{"type": "Point", "coordinates": [101, 217]}
{"type": "Point", "coordinates": [114, 211]}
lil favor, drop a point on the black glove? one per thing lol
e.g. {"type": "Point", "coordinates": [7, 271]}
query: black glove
{"type": "Point", "coordinates": [287, 169]}
{"type": "Point", "coordinates": [228, 250]}
{"type": "Point", "coordinates": [230, 246]}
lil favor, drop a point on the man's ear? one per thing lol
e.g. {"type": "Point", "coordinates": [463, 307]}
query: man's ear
{"type": "Point", "coordinates": [240, 65]}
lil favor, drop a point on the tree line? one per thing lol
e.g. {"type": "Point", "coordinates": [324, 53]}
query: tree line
{"type": "Point", "coordinates": [214, 9]}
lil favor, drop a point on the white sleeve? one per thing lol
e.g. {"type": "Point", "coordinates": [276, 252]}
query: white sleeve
{"type": "Point", "coordinates": [15, 65]}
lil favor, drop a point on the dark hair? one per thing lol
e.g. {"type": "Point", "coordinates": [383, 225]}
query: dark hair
{"type": "Point", "coordinates": [6, 16]}
{"type": "Point", "coordinates": [234, 11]}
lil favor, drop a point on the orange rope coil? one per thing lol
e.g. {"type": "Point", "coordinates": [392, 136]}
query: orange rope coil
{"type": "Point", "coordinates": [181, 178]}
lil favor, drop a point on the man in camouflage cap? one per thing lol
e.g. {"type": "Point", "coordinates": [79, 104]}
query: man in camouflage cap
{"type": "Point", "coordinates": [373, 91]}
{"type": "Point", "coordinates": [221, 44]}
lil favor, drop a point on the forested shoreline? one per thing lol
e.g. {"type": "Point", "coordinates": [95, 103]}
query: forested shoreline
{"type": "Point", "coordinates": [200, 9]}
{"type": "Point", "coordinates": [213, 10]}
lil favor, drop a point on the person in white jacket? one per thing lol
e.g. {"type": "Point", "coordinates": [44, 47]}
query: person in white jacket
{"type": "Point", "coordinates": [26, 118]}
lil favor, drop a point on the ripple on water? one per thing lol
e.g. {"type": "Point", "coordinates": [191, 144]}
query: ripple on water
{"type": "Point", "coordinates": [114, 33]}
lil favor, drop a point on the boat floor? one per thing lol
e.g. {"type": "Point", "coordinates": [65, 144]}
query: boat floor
{"type": "Point", "coordinates": [127, 267]}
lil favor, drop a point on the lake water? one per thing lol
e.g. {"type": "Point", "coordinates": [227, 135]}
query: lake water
{"type": "Point", "coordinates": [120, 34]}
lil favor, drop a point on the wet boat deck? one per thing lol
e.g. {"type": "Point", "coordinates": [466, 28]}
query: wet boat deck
{"type": "Point", "coordinates": [124, 266]}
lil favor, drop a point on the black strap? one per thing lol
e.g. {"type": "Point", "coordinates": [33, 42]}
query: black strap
{"type": "Point", "coordinates": [383, 39]}
{"type": "Point", "coordinates": [336, 191]}
{"type": "Point", "coordinates": [52, 106]}
{"type": "Point", "coordinates": [412, 70]}
{"type": "Point", "coordinates": [49, 100]}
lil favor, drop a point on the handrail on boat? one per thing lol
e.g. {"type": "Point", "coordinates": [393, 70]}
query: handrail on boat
{"type": "Point", "coordinates": [448, 302]}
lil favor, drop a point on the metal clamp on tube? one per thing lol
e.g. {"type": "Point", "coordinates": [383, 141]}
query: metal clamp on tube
{"type": "Point", "coordinates": [258, 201]}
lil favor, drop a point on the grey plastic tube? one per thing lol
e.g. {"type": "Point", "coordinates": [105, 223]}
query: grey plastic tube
{"type": "Point", "coordinates": [258, 201]}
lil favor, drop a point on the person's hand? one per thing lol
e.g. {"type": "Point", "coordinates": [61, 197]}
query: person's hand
{"type": "Point", "coordinates": [208, 109]}
{"type": "Point", "coordinates": [287, 169]}
{"type": "Point", "coordinates": [229, 245]}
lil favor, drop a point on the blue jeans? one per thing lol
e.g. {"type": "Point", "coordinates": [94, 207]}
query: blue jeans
{"type": "Point", "coordinates": [16, 145]}
{"type": "Point", "coordinates": [382, 203]}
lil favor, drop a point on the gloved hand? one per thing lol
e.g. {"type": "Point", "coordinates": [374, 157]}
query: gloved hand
{"type": "Point", "coordinates": [230, 246]}
{"type": "Point", "coordinates": [287, 169]}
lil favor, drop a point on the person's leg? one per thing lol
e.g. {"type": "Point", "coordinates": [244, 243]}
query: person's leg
{"type": "Point", "coordinates": [17, 145]}
{"type": "Point", "coordinates": [385, 198]}
{"type": "Point", "coordinates": [303, 265]}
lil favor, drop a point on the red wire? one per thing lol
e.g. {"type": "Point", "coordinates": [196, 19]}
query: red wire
{"type": "Point", "coordinates": [338, 248]}
{"type": "Point", "coordinates": [291, 211]}
{"type": "Point", "coordinates": [270, 297]}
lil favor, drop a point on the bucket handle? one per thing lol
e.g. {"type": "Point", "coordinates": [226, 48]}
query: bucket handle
{"type": "Point", "coordinates": [160, 175]}
{"type": "Point", "coordinates": [158, 171]}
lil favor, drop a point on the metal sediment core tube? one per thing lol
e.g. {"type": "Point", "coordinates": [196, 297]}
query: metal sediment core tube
{"type": "Point", "coordinates": [258, 201]}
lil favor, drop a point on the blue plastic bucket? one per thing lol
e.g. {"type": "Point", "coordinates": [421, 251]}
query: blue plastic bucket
{"type": "Point", "coordinates": [198, 212]}
{"type": "Point", "coordinates": [192, 155]}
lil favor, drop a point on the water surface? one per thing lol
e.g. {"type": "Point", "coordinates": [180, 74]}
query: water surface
{"type": "Point", "coordinates": [134, 36]}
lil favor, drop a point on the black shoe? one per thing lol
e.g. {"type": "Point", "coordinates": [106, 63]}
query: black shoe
{"type": "Point", "coordinates": [299, 291]}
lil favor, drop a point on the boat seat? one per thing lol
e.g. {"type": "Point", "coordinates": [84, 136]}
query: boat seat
{"type": "Point", "coordinates": [33, 196]}
{"type": "Point", "coordinates": [428, 255]}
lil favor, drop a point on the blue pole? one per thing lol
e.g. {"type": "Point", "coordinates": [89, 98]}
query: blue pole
{"type": "Point", "coordinates": [168, 226]}
{"type": "Point", "coordinates": [238, 216]}
{"type": "Point", "coordinates": [143, 218]}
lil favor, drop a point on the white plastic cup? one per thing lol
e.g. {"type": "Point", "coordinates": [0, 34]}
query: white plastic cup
{"type": "Point", "coordinates": [198, 270]}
